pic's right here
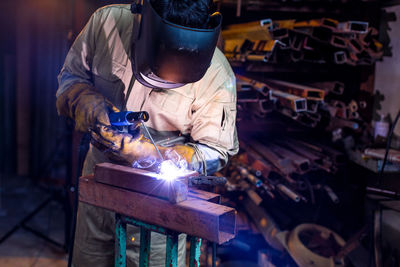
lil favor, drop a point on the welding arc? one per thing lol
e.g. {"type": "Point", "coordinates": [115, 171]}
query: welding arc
{"type": "Point", "coordinates": [151, 139]}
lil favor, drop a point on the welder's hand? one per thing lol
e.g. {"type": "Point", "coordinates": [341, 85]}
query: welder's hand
{"type": "Point", "coordinates": [85, 105]}
{"type": "Point", "coordinates": [122, 147]}
{"type": "Point", "coordinates": [127, 149]}
{"type": "Point", "coordinates": [179, 152]}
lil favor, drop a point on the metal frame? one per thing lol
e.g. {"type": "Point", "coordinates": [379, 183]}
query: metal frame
{"type": "Point", "coordinates": [171, 259]}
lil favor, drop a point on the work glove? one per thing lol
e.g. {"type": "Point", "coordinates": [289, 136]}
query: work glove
{"type": "Point", "coordinates": [126, 149]}
{"type": "Point", "coordinates": [82, 103]}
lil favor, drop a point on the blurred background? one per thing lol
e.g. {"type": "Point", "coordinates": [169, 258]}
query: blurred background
{"type": "Point", "coordinates": [38, 149]}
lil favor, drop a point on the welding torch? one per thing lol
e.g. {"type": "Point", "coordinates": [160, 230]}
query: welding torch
{"type": "Point", "coordinates": [124, 120]}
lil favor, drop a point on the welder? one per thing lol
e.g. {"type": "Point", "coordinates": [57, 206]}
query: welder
{"type": "Point", "coordinates": [159, 56]}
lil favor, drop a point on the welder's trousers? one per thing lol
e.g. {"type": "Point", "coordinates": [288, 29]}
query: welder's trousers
{"type": "Point", "coordinates": [94, 241]}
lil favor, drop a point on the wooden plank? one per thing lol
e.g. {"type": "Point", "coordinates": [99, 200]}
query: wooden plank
{"type": "Point", "coordinates": [142, 181]}
{"type": "Point", "coordinates": [194, 217]}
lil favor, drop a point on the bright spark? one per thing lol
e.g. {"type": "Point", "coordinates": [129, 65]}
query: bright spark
{"type": "Point", "coordinates": [169, 171]}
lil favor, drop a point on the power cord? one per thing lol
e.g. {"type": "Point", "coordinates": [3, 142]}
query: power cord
{"type": "Point", "coordinates": [388, 143]}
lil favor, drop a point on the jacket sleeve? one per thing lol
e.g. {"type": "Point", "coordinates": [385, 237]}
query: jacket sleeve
{"type": "Point", "coordinates": [214, 123]}
{"type": "Point", "coordinates": [78, 63]}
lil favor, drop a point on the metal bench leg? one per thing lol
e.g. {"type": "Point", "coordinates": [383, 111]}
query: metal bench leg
{"type": "Point", "coordinates": [120, 242]}
{"type": "Point", "coordinates": [171, 259]}
{"type": "Point", "coordinates": [144, 256]}
{"type": "Point", "coordinates": [195, 244]}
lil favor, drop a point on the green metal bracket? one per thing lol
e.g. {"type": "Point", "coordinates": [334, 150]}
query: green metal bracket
{"type": "Point", "coordinates": [195, 245]}
{"type": "Point", "coordinates": [120, 242]}
{"type": "Point", "coordinates": [144, 256]}
{"type": "Point", "coordinates": [147, 226]}
{"type": "Point", "coordinates": [171, 259]}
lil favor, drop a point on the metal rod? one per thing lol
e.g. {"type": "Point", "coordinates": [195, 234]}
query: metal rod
{"type": "Point", "coordinates": [152, 141]}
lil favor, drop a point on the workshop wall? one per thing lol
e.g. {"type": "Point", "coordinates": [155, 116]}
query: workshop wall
{"type": "Point", "coordinates": [387, 75]}
{"type": "Point", "coordinates": [41, 45]}
{"type": "Point", "coordinates": [7, 85]}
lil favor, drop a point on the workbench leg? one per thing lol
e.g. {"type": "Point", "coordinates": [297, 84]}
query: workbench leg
{"type": "Point", "coordinates": [171, 259]}
{"type": "Point", "coordinates": [195, 244]}
{"type": "Point", "coordinates": [120, 242]}
{"type": "Point", "coordinates": [144, 256]}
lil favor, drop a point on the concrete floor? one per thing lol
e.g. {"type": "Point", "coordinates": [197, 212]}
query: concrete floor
{"type": "Point", "coordinates": [18, 197]}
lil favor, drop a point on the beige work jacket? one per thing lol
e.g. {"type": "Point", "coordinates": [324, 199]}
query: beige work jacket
{"type": "Point", "coordinates": [205, 111]}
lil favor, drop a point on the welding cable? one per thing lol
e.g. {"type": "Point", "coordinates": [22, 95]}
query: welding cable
{"type": "Point", "coordinates": [388, 142]}
{"type": "Point", "coordinates": [83, 149]}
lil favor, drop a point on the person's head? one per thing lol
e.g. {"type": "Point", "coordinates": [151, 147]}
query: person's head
{"type": "Point", "coordinates": [176, 42]}
{"type": "Point", "coordinates": [189, 13]}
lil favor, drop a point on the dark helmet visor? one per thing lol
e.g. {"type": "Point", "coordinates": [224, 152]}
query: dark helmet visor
{"type": "Point", "coordinates": [170, 54]}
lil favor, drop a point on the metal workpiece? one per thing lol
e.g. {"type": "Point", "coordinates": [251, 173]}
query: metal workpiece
{"type": "Point", "coordinates": [197, 216]}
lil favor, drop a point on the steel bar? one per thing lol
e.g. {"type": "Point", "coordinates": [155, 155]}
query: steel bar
{"type": "Point", "coordinates": [353, 26]}
{"type": "Point", "coordinates": [302, 164]}
{"type": "Point", "coordinates": [332, 195]}
{"type": "Point", "coordinates": [338, 41]}
{"type": "Point", "coordinates": [171, 259]}
{"type": "Point", "coordinates": [316, 158]}
{"type": "Point", "coordinates": [264, 223]}
{"type": "Point", "coordinates": [193, 216]}
{"type": "Point", "coordinates": [255, 160]}
{"type": "Point", "coordinates": [293, 102]}
{"type": "Point", "coordinates": [258, 30]}
{"type": "Point", "coordinates": [142, 181]}
{"type": "Point", "coordinates": [297, 89]}
{"type": "Point", "coordinates": [335, 87]}
{"type": "Point", "coordinates": [285, 166]}
{"type": "Point", "coordinates": [288, 192]}
{"type": "Point", "coordinates": [259, 86]}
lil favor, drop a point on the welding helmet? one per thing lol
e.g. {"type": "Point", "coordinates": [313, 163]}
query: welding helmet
{"type": "Point", "coordinates": [166, 55]}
